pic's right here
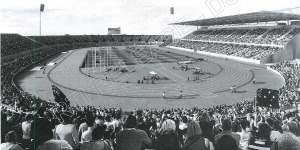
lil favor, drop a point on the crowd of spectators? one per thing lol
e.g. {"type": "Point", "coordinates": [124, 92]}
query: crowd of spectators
{"type": "Point", "coordinates": [291, 73]}
{"type": "Point", "coordinates": [31, 123]}
{"type": "Point", "coordinates": [247, 51]}
{"type": "Point", "coordinates": [220, 127]}
{"type": "Point", "coordinates": [278, 35]}
{"type": "Point", "coordinates": [14, 43]}
{"type": "Point", "coordinates": [102, 39]}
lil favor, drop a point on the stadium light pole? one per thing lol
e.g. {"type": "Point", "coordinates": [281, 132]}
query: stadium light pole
{"type": "Point", "coordinates": [40, 23]}
{"type": "Point", "coordinates": [42, 7]}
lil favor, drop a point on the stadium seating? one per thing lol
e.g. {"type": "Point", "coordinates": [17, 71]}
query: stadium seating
{"type": "Point", "coordinates": [101, 39]}
{"type": "Point", "coordinates": [278, 35]}
{"type": "Point", "coordinates": [14, 43]}
{"type": "Point", "coordinates": [249, 42]}
{"type": "Point", "coordinates": [22, 115]}
{"type": "Point", "coordinates": [247, 51]}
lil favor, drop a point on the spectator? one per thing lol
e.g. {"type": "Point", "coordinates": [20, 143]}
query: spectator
{"type": "Point", "coordinates": [226, 126]}
{"type": "Point", "coordinates": [244, 134]}
{"type": "Point", "coordinates": [40, 123]}
{"type": "Point", "coordinates": [82, 127]}
{"type": "Point", "coordinates": [287, 141]}
{"type": "Point", "coordinates": [67, 131]}
{"type": "Point", "coordinates": [195, 140]}
{"type": "Point", "coordinates": [46, 141]}
{"type": "Point", "coordinates": [167, 138]}
{"type": "Point", "coordinates": [131, 138]}
{"type": "Point", "coordinates": [4, 125]}
{"type": "Point", "coordinates": [87, 135]}
{"type": "Point", "coordinates": [262, 139]}
{"type": "Point", "coordinates": [97, 143]}
{"type": "Point", "coordinates": [277, 131]}
{"type": "Point", "coordinates": [293, 127]}
{"type": "Point", "coordinates": [26, 127]}
{"type": "Point", "coordinates": [207, 126]}
{"type": "Point", "coordinates": [226, 142]}
{"type": "Point", "coordinates": [10, 142]}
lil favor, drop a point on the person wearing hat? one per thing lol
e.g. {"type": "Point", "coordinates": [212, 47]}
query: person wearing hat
{"type": "Point", "coordinates": [66, 130]}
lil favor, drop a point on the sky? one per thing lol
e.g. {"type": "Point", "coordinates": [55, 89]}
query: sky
{"type": "Point", "coordinates": [133, 16]}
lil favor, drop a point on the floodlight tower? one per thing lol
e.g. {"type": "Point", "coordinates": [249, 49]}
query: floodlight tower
{"type": "Point", "coordinates": [42, 7]}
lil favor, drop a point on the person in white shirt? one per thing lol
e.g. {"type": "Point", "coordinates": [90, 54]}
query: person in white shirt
{"type": "Point", "coordinates": [67, 131]}
{"type": "Point", "coordinates": [82, 127]}
{"type": "Point", "coordinates": [26, 129]}
{"type": "Point", "coordinates": [46, 141]}
{"type": "Point", "coordinates": [244, 134]}
{"type": "Point", "coordinates": [97, 143]}
{"type": "Point", "coordinates": [87, 135]}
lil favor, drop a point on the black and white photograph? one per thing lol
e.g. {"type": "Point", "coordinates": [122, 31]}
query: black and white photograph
{"type": "Point", "coordinates": [150, 74]}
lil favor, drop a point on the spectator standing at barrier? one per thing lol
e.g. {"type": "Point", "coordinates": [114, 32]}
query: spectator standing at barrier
{"type": "Point", "coordinates": [131, 138]}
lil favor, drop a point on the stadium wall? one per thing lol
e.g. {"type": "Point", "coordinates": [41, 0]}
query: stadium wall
{"type": "Point", "coordinates": [290, 52]}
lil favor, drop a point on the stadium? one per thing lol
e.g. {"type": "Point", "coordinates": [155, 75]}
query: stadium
{"type": "Point", "coordinates": [234, 78]}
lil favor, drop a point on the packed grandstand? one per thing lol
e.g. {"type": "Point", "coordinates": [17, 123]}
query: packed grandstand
{"type": "Point", "coordinates": [29, 122]}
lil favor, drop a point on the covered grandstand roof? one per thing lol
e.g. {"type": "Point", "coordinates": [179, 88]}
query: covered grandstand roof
{"type": "Point", "coordinates": [263, 16]}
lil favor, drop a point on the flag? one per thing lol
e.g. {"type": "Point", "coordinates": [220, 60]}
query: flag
{"type": "Point", "coordinates": [172, 10]}
{"type": "Point", "coordinates": [59, 96]}
{"type": "Point", "coordinates": [267, 98]}
{"type": "Point", "coordinates": [42, 7]}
